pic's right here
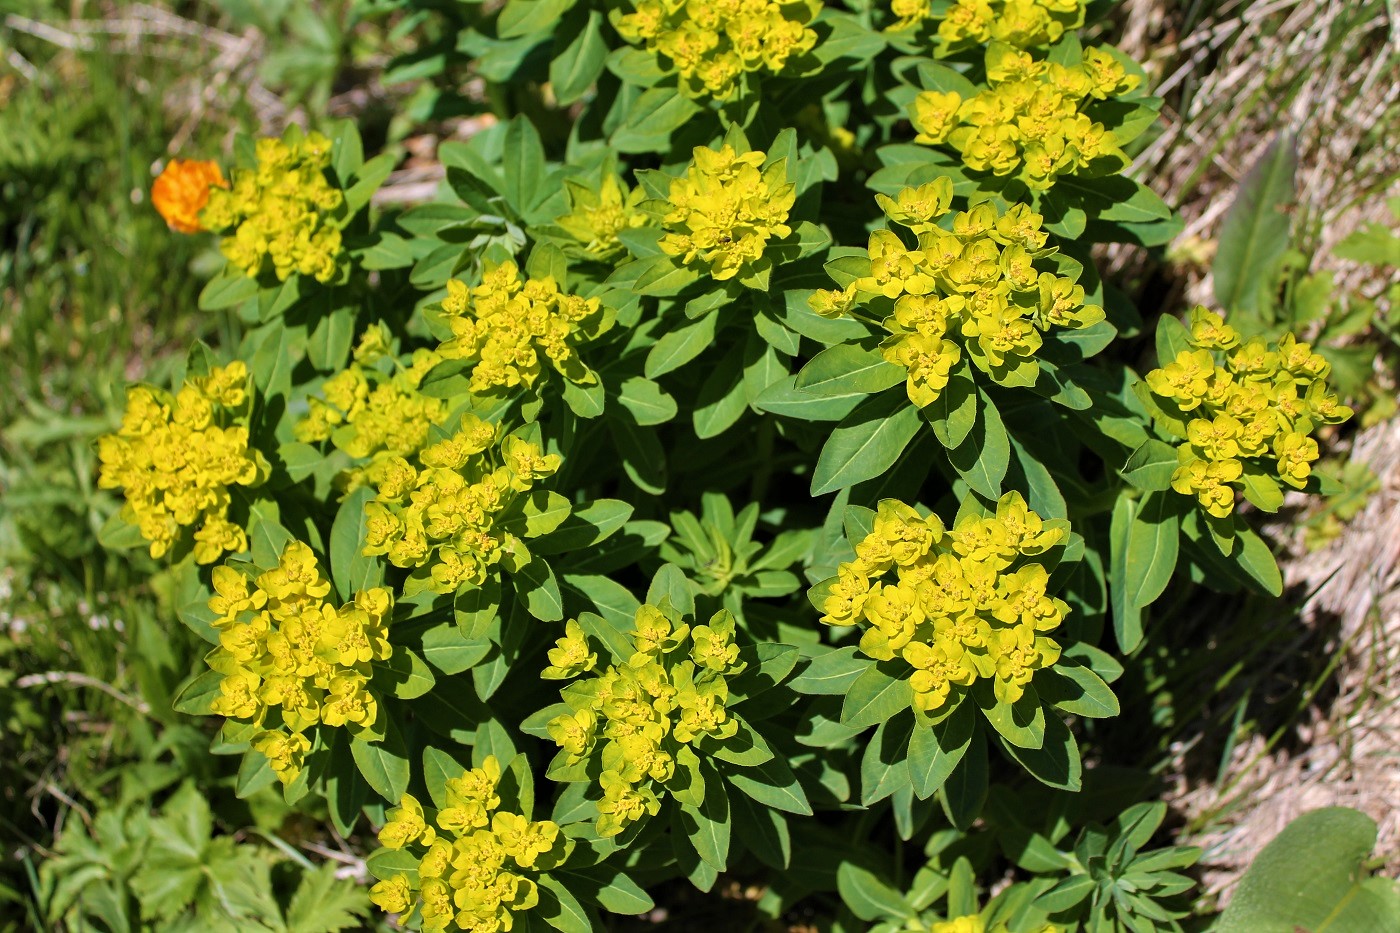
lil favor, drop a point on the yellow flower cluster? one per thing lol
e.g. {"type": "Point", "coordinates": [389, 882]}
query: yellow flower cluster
{"type": "Point", "coordinates": [725, 209]}
{"type": "Point", "coordinates": [642, 718]}
{"type": "Point", "coordinates": [175, 457]}
{"type": "Point", "coordinates": [508, 326]}
{"type": "Point", "coordinates": [1253, 414]}
{"type": "Point", "coordinates": [1019, 23]}
{"type": "Point", "coordinates": [596, 217]}
{"type": "Point", "coordinates": [290, 659]}
{"type": "Point", "coordinates": [371, 415]}
{"type": "Point", "coordinates": [713, 45]}
{"type": "Point", "coordinates": [967, 603]}
{"type": "Point", "coordinates": [443, 516]}
{"type": "Point", "coordinates": [974, 286]}
{"type": "Point", "coordinates": [473, 857]}
{"type": "Point", "coordinates": [283, 211]}
{"type": "Point", "coordinates": [1029, 121]}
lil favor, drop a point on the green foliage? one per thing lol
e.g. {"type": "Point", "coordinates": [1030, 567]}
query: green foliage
{"type": "Point", "coordinates": [134, 869]}
{"type": "Point", "coordinates": [1315, 876]}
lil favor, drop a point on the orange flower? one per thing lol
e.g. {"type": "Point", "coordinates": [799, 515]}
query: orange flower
{"type": "Point", "coordinates": [182, 190]}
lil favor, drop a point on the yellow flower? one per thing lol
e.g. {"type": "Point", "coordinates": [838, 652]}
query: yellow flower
{"type": "Point", "coordinates": [405, 825]}
{"type": "Point", "coordinates": [284, 752]}
{"type": "Point", "coordinates": [596, 218]}
{"type": "Point", "coordinates": [963, 604]}
{"type": "Point", "coordinates": [392, 895]}
{"type": "Point", "coordinates": [570, 655]}
{"type": "Point", "coordinates": [711, 47]}
{"type": "Point", "coordinates": [182, 190]}
{"type": "Point", "coordinates": [724, 211]}
{"type": "Point", "coordinates": [175, 458]}
{"type": "Point", "coordinates": [509, 328]}
{"type": "Point", "coordinates": [282, 215]}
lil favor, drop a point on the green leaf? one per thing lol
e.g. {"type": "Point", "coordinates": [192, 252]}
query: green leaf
{"type": "Point", "coordinates": [475, 608]}
{"type": "Point", "coordinates": [1151, 466]}
{"type": "Point", "coordinates": [536, 583]}
{"type": "Point", "coordinates": [832, 673]}
{"type": "Point", "coordinates": [404, 673]}
{"type": "Point", "coordinates": [707, 826]}
{"type": "Point", "coordinates": [773, 784]}
{"type": "Point", "coordinates": [680, 346]}
{"type": "Point", "coordinates": [578, 64]}
{"type": "Point", "coordinates": [653, 116]}
{"type": "Point", "coordinates": [595, 522]}
{"type": "Point", "coordinates": [1315, 876]}
{"type": "Point", "coordinates": [266, 536]}
{"type": "Point", "coordinates": [1056, 762]}
{"type": "Point", "coordinates": [586, 401]}
{"type": "Point", "coordinates": [227, 289]}
{"type": "Point", "coordinates": [883, 769]}
{"type": "Point", "coordinates": [670, 582]}
{"type": "Point", "coordinates": [1257, 561]}
{"type": "Point", "coordinates": [522, 156]}
{"type": "Point", "coordinates": [868, 897]}
{"type": "Point", "coordinates": [558, 905]}
{"type": "Point", "coordinates": [544, 511]}
{"type": "Point", "coordinates": [965, 790]}
{"type": "Point", "coordinates": [351, 570]}
{"type": "Point", "coordinates": [647, 401]}
{"type": "Point", "coordinates": [763, 831]}
{"type": "Point", "coordinates": [866, 443]}
{"type": "Point", "coordinates": [1254, 235]}
{"type": "Point", "coordinates": [935, 751]}
{"type": "Point", "coordinates": [197, 696]}
{"type": "Point", "coordinates": [784, 398]}
{"type": "Point", "coordinates": [846, 369]}
{"type": "Point", "coordinates": [324, 903]}
{"type": "Point", "coordinates": [1076, 689]}
{"type": "Point", "coordinates": [1172, 339]}
{"type": "Point", "coordinates": [608, 888]}
{"type": "Point", "coordinates": [953, 414]}
{"type": "Point", "coordinates": [985, 454]}
{"type": "Point", "coordinates": [1127, 616]}
{"type": "Point", "coordinates": [722, 398]}
{"type": "Point", "coordinates": [875, 697]}
{"type": "Point", "coordinates": [1021, 723]}
{"type": "Point", "coordinates": [1152, 547]}
{"type": "Point", "coordinates": [384, 764]}
{"type": "Point", "coordinates": [528, 17]}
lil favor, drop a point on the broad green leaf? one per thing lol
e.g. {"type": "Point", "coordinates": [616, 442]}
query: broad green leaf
{"type": "Point", "coordinates": [1316, 876]}
{"type": "Point", "coordinates": [1127, 616]}
{"type": "Point", "coordinates": [985, 454]}
{"type": "Point", "coordinates": [874, 697]}
{"type": "Point", "coordinates": [831, 673]}
{"type": "Point", "coordinates": [772, 783]}
{"type": "Point", "coordinates": [384, 764]}
{"type": "Point", "coordinates": [647, 401]}
{"type": "Point", "coordinates": [707, 826]}
{"type": "Point", "coordinates": [934, 751]}
{"type": "Point", "coordinates": [1255, 233]}
{"type": "Point", "coordinates": [536, 583]}
{"type": "Point", "coordinates": [866, 443]}
{"type": "Point", "coordinates": [868, 897]}
{"type": "Point", "coordinates": [846, 369]}
{"type": "Point", "coordinates": [578, 64]}
{"type": "Point", "coordinates": [1151, 466]}
{"type": "Point", "coordinates": [1152, 547]}
{"type": "Point", "coordinates": [351, 570]}
{"type": "Point", "coordinates": [680, 346]}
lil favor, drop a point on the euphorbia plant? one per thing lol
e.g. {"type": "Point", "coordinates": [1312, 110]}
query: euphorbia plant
{"type": "Point", "coordinates": [587, 416]}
